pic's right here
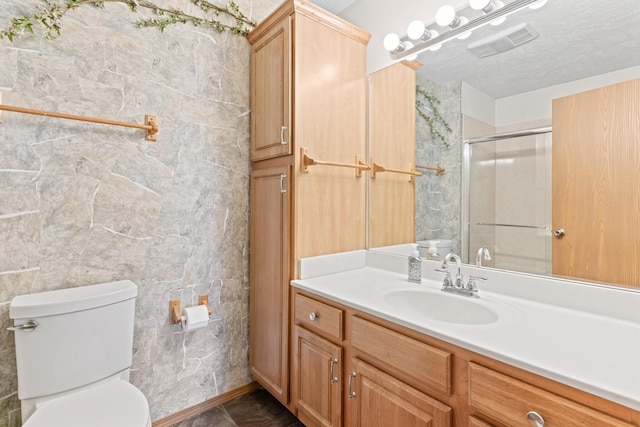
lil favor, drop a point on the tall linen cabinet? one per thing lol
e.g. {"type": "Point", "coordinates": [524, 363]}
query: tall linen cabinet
{"type": "Point", "coordinates": [308, 95]}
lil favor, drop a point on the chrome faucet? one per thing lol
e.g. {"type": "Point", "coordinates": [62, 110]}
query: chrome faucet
{"type": "Point", "coordinates": [458, 283]}
{"type": "Point", "coordinates": [457, 286]}
{"type": "Point", "coordinates": [483, 252]}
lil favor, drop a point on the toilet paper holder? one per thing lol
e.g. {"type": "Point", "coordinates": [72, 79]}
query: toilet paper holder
{"type": "Point", "coordinates": [174, 308]}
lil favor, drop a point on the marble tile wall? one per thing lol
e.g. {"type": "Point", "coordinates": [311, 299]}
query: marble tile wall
{"type": "Point", "coordinates": [84, 203]}
{"type": "Point", "coordinates": [438, 197]}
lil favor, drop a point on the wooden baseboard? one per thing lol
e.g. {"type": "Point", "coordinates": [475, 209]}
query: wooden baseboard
{"type": "Point", "coordinates": [193, 411]}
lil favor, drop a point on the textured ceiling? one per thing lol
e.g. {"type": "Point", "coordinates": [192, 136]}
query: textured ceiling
{"type": "Point", "coordinates": [578, 39]}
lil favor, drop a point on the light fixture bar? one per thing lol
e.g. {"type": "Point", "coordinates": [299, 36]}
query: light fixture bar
{"type": "Point", "coordinates": [481, 21]}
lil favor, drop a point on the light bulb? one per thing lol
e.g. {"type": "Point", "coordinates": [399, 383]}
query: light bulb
{"type": "Point", "coordinates": [538, 4]}
{"type": "Point", "coordinates": [479, 4]}
{"type": "Point", "coordinates": [415, 30]}
{"type": "Point", "coordinates": [407, 46]}
{"type": "Point", "coordinates": [497, 4]}
{"type": "Point", "coordinates": [391, 42]}
{"type": "Point", "coordinates": [463, 21]}
{"type": "Point", "coordinates": [446, 15]}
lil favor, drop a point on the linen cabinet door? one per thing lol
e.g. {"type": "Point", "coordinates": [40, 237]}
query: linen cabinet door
{"type": "Point", "coordinates": [271, 93]}
{"type": "Point", "coordinates": [269, 279]}
{"type": "Point", "coordinates": [318, 376]}
{"type": "Point", "coordinates": [380, 400]}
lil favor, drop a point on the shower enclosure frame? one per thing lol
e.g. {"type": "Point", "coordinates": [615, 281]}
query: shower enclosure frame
{"type": "Point", "coordinates": [466, 177]}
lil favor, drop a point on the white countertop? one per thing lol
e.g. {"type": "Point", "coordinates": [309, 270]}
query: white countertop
{"type": "Point", "coordinates": [593, 352]}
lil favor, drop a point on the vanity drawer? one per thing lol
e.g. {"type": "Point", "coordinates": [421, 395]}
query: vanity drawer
{"type": "Point", "coordinates": [508, 401]}
{"type": "Point", "coordinates": [319, 317]}
{"type": "Point", "coordinates": [426, 364]}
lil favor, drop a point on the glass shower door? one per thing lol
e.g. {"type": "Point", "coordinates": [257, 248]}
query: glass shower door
{"type": "Point", "coordinates": [508, 200]}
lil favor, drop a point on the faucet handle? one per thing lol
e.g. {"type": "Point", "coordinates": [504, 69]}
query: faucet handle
{"type": "Point", "coordinates": [471, 284]}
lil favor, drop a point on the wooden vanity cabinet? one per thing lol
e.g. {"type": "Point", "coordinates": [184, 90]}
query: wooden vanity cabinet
{"type": "Point", "coordinates": [308, 89]}
{"type": "Point", "coordinates": [390, 375]}
{"type": "Point", "coordinates": [318, 363]}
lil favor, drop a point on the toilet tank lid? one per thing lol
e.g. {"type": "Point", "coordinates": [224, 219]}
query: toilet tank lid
{"type": "Point", "coordinates": [71, 299]}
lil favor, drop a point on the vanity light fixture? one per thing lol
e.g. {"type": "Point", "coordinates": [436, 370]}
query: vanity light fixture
{"type": "Point", "coordinates": [422, 38]}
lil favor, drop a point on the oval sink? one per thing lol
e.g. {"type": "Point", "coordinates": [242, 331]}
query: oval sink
{"type": "Point", "coordinates": [441, 306]}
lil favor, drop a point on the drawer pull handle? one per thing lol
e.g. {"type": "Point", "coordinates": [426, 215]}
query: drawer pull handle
{"type": "Point", "coordinates": [282, 178]}
{"type": "Point", "coordinates": [535, 419]}
{"type": "Point", "coordinates": [313, 316]}
{"type": "Point", "coordinates": [282, 141]}
{"type": "Point", "coordinates": [351, 394]}
{"type": "Point", "coordinates": [334, 379]}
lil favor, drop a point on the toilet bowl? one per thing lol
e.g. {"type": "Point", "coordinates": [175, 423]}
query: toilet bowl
{"type": "Point", "coordinates": [73, 356]}
{"type": "Point", "coordinates": [111, 404]}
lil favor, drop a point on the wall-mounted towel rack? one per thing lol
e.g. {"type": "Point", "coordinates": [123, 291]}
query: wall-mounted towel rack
{"type": "Point", "coordinates": [437, 168]}
{"type": "Point", "coordinates": [376, 168]}
{"type": "Point", "coordinates": [150, 126]}
{"type": "Point", "coordinates": [306, 161]}
{"type": "Point", "coordinates": [535, 227]}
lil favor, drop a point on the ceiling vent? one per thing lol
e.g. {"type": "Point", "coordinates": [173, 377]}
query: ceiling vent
{"type": "Point", "coordinates": [504, 40]}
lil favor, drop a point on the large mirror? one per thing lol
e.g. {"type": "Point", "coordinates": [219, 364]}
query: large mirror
{"type": "Point", "coordinates": [497, 192]}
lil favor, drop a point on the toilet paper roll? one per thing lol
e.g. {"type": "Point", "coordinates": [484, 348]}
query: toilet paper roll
{"type": "Point", "coordinates": [195, 317]}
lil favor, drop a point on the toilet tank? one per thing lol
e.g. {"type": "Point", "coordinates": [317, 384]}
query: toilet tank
{"type": "Point", "coordinates": [83, 335]}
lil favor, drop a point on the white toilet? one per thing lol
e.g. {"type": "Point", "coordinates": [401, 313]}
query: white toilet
{"type": "Point", "coordinates": [73, 352]}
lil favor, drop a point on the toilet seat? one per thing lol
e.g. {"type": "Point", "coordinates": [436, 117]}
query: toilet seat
{"type": "Point", "coordinates": [114, 403]}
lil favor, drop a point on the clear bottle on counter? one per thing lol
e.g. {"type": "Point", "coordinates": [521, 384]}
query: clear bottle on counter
{"type": "Point", "coordinates": [415, 266]}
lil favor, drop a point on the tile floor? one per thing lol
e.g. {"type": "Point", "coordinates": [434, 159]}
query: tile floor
{"type": "Point", "coordinates": [255, 409]}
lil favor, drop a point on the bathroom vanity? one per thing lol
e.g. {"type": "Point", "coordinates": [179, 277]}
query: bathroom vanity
{"type": "Point", "coordinates": [370, 348]}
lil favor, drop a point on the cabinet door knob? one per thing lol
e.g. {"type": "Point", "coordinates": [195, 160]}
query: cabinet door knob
{"type": "Point", "coordinates": [535, 419]}
{"type": "Point", "coordinates": [313, 316]}
{"type": "Point", "coordinates": [559, 232]}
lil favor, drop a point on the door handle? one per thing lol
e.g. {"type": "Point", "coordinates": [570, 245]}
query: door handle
{"type": "Point", "coordinates": [559, 232]}
{"type": "Point", "coordinates": [282, 177]}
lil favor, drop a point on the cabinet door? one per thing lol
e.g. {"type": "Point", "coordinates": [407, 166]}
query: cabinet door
{"type": "Point", "coordinates": [318, 373]}
{"type": "Point", "coordinates": [270, 93]}
{"type": "Point", "coordinates": [269, 276]}
{"type": "Point", "coordinates": [379, 400]}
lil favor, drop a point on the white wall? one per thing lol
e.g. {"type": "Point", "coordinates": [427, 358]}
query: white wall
{"type": "Point", "coordinates": [536, 105]}
{"type": "Point", "coordinates": [478, 105]}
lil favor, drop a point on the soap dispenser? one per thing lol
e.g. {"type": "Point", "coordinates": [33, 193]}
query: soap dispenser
{"type": "Point", "coordinates": [415, 266]}
{"type": "Point", "coordinates": [432, 252]}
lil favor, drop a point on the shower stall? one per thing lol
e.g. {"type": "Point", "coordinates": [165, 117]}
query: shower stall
{"type": "Point", "coordinates": [507, 200]}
